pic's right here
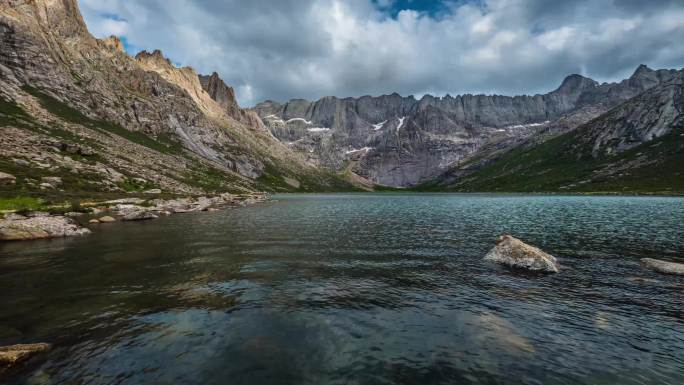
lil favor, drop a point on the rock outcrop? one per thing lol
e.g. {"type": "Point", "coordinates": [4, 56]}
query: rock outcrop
{"type": "Point", "coordinates": [513, 252]}
{"type": "Point", "coordinates": [13, 355]}
{"type": "Point", "coordinates": [7, 178]}
{"type": "Point", "coordinates": [18, 228]}
{"type": "Point", "coordinates": [222, 94]}
{"type": "Point", "coordinates": [664, 267]}
{"type": "Point", "coordinates": [141, 215]}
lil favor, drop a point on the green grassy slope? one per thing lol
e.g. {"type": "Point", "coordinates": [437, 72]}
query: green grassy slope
{"type": "Point", "coordinates": [80, 185]}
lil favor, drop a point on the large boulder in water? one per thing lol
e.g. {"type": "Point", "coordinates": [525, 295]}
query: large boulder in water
{"type": "Point", "coordinates": [513, 252]}
{"type": "Point", "coordinates": [664, 266]}
{"type": "Point", "coordinates": [40, 227]}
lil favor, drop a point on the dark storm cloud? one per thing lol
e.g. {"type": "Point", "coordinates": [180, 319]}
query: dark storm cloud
{"type": "Point", "coordinates": [282, 49]}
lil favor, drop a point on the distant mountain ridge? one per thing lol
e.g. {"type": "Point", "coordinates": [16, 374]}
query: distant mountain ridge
{"type": "Point", "coordinates": [401, 142]}
{"type": "Point", "coordinates": [636, 147]}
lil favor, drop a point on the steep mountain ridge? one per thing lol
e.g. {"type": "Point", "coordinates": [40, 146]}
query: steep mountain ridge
{"type": "Point", "coordinates": [638, 146]}
{"type": "Point", "coordinates": [401, 141]}
{"type": "Point", "coordinates": [184, 77]}
{"type": "Point", "coordinates": [141, 117]}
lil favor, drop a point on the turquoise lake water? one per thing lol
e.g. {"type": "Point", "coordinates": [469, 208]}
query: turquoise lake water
{"type": "Point", "coordinates": [356, 289]}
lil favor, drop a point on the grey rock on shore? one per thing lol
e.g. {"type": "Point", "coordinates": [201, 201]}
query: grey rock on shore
{"type": "Point", "coordinates": [16, 228]}
{"type": "Point", "coordinates": [140, 216]}
{"type": "Point", "coordinates": [39, 225]}
{"type": "Point", "coordinates": [664, 267]}
{"type": "Point", "coordinates": [7, 178]}
{"type": "Point", "coordinates": [513, 252]}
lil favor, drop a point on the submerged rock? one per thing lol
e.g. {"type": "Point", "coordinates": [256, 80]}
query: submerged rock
{"type": "Point", "coordinates": [664, 266]}
{"type": "Point", "coordinates": [513, 252]}
{"type": "Point", "coordinates": [643, 281]}
{"type": "Point", "coordinates": [492, 327]}
{"type": "Point", "coordinates": [39, 228]}
{"type": "Point", "coordinates": [15, 354]}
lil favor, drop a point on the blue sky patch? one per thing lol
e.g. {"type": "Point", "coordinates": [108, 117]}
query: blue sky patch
{"type": "Point", "coordinates": [431, 7]}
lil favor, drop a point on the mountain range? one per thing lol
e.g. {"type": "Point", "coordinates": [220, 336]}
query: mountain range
{"type": "Point", "coordinates": [403, 142]}
{"type": "Point", "coordinates": [81, 116]}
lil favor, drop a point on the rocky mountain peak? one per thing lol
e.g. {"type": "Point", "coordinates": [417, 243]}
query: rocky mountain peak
{"type": "Point", "coordinates": [645, 77]}
{"type": "Point", "coordinates": [576, 83]}
{"type": "Point", "coordinates": [155, 58]}
{"type": "Point", "coordinates": [642, 71]}
{"type": "Point", "coordinates": [58, 16]}
{"type": "Point", "coordinates": [184, 77]}
{"type": "Point", "coordinates": [221, 94]}
{"type": "Point", "coordinates": [113, 43]}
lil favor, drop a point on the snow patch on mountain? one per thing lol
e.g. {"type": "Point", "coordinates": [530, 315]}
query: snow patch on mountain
{"type": "Point", "coordinates": [401, 123]}
{"type": "Point", "coordinates": [379, 126]}
{"type": "Point", "coordinates": [307, 122]}
{"type": "Point", "coordinates": [365, 149]}
{"type": "Point", "coordinates": [530, 125]}
{"type": "Point", "coordinates": [275, 119]}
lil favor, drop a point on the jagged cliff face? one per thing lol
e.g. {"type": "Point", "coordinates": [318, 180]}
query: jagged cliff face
{"type": "Point", "coordinates": [57, 74]}
{"type": "Point", "coordinates": [185, 77]}
{"type": "Point", "coordinates": [638, 146]}
{"type": "Point", "coordinates": [222, 94]}
{"type": "Point", "coordinates": [647, 117]}
{"type": "Point", "coordinates": [401, 141]}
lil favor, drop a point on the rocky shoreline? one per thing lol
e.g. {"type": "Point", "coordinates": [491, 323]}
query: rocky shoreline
{"type": "Point", "coordinates": [43, 225]}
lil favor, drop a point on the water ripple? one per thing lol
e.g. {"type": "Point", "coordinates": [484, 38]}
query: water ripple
{"type": "Point", "coordinates": [356, 289]}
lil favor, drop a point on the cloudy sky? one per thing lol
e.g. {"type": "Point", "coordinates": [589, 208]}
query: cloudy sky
{"type": "Point", "coordinates": [282, 49]}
